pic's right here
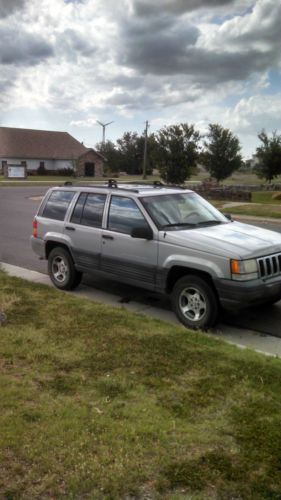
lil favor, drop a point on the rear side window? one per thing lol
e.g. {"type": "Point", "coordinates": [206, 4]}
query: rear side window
{"type": "Point", "coordinates": [88, 210]}
{"type": "Point", "coordinates": [57, 205]}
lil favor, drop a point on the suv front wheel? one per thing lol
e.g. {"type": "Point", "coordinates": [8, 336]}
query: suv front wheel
{"type": "Point", "coordinates": [61, 269]}
{"type": "Point", "coordinates": [194, 302]}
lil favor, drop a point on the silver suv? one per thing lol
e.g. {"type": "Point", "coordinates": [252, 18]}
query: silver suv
{"type": "Point", "coordinates": [160, 238]}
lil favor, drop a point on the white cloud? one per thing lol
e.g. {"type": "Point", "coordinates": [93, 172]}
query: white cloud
{"type": "Point", "coordinates": [172, 61]}
{"type": "Point", "coordinates": [255, 113]}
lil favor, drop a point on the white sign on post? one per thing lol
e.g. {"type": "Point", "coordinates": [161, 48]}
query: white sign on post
{"type": "Point", "coordinates": [16, 171]}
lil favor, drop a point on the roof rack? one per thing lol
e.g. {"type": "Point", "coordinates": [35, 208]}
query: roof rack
{"type": "Point", "coordinates": [112, 184]}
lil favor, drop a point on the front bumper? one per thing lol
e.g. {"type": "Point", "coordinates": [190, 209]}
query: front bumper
{"type": "Point", "coordinates": [239, 295]}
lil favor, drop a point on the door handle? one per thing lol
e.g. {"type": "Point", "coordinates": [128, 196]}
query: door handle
{"type": "Point", "coordinates": [69, 228]}
{"type": "Point", "coordinates": [107, 237]}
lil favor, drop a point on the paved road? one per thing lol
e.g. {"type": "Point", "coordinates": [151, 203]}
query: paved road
{"type": "Point", "coordinates": [17, 207]}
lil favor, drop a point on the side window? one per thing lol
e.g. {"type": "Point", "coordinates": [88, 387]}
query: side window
{"type": "Point", "coordinates": [88, 210]}
{"type": "Point", "coordinates": [57, 205]}
{"type": "Point", "coordinates": [124, 214]}
{"type": "Point", "coordinates": [78, 209]}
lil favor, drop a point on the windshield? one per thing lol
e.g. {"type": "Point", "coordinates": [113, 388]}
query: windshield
{"type": "Point", "coordinates": [182, 210]}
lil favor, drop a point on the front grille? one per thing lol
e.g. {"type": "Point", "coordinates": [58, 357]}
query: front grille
{"type": "Point", "coordinates": [270, 265]}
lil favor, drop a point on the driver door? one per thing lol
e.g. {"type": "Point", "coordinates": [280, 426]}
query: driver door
{"type": "Point", "coordinates": [132, 260]}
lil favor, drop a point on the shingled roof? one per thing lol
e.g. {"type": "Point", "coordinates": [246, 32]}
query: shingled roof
{"type": "Point", "coordinates": [39, 144]}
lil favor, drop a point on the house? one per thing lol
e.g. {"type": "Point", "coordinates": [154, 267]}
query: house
{"type": "Point", "coordinates": [49, 151]}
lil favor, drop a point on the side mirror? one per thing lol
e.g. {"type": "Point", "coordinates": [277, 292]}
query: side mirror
{"type": "Point", "coordinates": [229, 217]}
{"type": "Point", "coordinates": [144, 233]}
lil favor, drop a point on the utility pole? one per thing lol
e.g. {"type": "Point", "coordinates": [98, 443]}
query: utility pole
{"type": "Point", "coordinates": [145, 150]}
{"type": "Point", "coordinates": [103, 125]}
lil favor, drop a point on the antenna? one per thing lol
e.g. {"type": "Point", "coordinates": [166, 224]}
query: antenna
{"type": "Point", "coordinates": [103, 125]}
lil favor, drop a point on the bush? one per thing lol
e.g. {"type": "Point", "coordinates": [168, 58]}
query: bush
{"type": "Point", "coordinates": [276, 196]}
{"type": "Point", "coordinates": [67, 172]}
{"type": "Point", "coordinates": [41, 170]}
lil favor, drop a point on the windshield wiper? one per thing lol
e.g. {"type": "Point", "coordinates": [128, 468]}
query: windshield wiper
{"type": "Point", "coordinates": [210, 223]}
{"type": "Point", "coordinates": [181, 224]}
{"type": "Point", "coordinates": [193, 224]}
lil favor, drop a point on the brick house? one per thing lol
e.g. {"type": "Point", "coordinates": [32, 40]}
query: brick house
{"type": "Point", "coordinates": [52, 151]}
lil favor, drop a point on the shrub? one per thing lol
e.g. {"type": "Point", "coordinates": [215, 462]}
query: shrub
{"type": "Point", "coordinates": [67, 172]}
{"type": "Point", "coordinates": [276, 196]}
{"type": "Point", "coordinates": [41, 170]}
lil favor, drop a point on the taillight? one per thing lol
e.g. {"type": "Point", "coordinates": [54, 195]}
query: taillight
{"type": "Point", "coordinates": [34, 228]}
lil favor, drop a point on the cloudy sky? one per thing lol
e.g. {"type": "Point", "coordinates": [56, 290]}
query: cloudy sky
{"type": "Point", "coordinates": [66, 63]}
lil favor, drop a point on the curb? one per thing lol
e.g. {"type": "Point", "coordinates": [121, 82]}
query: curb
{"type": "Point", "coordinates": [243, 339]}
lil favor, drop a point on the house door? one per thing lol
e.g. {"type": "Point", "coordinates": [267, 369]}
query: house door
{"type": "Point", "coordinates": [89, 169]}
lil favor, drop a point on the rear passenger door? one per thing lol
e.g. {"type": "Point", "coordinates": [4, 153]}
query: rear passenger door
{"type": "Point", "coordinates": [132, 260]}
{"type": "Point", "coordinates": [52, 213]}
{"type": "Point", "coordinates": [83, 230]}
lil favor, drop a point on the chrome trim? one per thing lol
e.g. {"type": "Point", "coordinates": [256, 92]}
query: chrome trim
{"type": "Point", "coordinates": [269, 265]}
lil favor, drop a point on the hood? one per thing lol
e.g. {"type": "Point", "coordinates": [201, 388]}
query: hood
{"type": "Point", "coordinates": [233, 240]}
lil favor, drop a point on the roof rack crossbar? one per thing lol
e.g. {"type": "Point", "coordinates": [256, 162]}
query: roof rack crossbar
{"type": "Point", "coordinates": [112, 183]}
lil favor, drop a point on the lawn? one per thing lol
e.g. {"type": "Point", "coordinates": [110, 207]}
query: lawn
{"type": "Point", "coordinates": [257, 210]}
{"type": "Point", "coordinates": [237, 178]}
{"type": "Point", "coordinates": [262, 205]}
{"type": "Point", "coordinates": [57, 179]}
{"type": "Point", "coordinates": [100, 403]}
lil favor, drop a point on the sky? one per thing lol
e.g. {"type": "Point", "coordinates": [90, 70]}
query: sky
{"type": "Point", "coordinates": [64, 64]}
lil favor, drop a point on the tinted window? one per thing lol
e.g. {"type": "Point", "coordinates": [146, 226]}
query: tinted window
{"type": "Point", "coordinates": [124, 215]}
{"type": "Point", "coordinates": [89, 210]}
{"type": "Point", "coordinates": [57, 205]}
{"type": "Point", "coordinates": [78, 210]}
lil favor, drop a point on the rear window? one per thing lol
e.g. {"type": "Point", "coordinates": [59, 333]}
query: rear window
{"type": "Point", "coordinates": [57, 205]}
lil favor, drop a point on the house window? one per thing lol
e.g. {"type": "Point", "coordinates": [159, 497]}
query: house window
{"type": "Point", "coordinates": [41, 169]}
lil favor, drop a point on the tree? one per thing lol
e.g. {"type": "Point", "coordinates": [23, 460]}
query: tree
{"type": "Point", "coordinates": [269, 156]}
{"type": "Point", "coordinates": [177, 152]}
{"type": "Point", "coordinates": [221, 155]}
{"type": "Point", "coordinates": [111, 154]}
{"type": "Point", "coordinates": [130, 153]}
{"type": "Point", "coordinates": [131, 149]}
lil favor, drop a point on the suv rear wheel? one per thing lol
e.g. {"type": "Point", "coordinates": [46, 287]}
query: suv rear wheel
{"type": "Point", "coordinates": [61, 269]}
{"type": "Point", "coordinates": [194, 302]}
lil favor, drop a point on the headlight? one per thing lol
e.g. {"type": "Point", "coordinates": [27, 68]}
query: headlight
{"type": "Point", "coordinates": [244, 270]}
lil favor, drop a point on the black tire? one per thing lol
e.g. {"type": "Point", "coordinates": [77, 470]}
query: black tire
{"type": "Point", "coordinates": [194, 302]}
{"type": "Point", "coordinates": [61, 269]}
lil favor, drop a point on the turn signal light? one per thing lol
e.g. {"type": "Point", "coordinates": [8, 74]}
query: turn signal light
{"type": "Point", "coordinates": [34, 229]}
{"type": "Point", "coordinates": [235, 268]}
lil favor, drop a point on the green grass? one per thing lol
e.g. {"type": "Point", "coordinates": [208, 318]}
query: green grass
{"type": "Point", "coordinates": [97, 402]}
{"type": "Point", "coordinates": [248, 178]}
{"type": "Point", "coordinates": [56, 179]}
{"type": "Point", "coordinates": [262, 205]}
{"type": "Point", "coordinates": [265, 197]}
{"type": "Point", "coordinates": [272, 211]}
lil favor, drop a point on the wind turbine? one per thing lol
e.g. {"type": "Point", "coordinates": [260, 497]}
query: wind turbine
{"type": "Point", "coordinates": [103, 125]}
